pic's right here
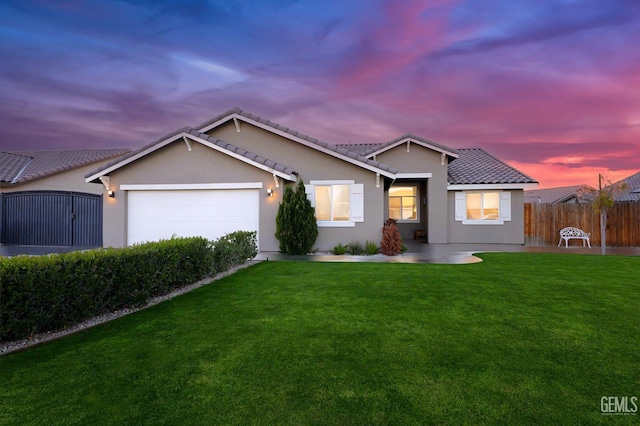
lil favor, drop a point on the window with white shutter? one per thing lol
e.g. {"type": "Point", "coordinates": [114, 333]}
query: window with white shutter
{"type": "Point", "coordinates": [483, 207]}
{"type": "Point", "coordinates": [337, 203]}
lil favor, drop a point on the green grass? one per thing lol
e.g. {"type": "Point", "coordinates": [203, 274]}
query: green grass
{"type": "Point", "coordinates": [516, 339]}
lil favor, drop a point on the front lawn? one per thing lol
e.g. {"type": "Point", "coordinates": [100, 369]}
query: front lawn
{"type": "Point", "coordinates": [517, 339]}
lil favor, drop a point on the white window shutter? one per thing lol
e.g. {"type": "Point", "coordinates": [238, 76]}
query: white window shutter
{"type": "Point", "coordinates": [460, 206]}
{"type": "Point", "coordinates": [505, 205]}
{"type": "Point", "coordinates": [310, 190]}
{"type": "Point", "coordinates": [357, 202]}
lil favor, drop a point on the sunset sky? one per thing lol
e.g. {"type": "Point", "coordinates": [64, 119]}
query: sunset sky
{"type": "Point", "coordinates": [552, 87]}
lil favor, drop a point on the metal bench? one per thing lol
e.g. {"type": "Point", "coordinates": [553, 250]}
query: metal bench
{"type": "Point", "coordinates": [573, 233]}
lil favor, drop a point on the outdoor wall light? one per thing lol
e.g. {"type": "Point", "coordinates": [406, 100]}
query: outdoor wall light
{"type": "Point", "coordinates": [269, 192]}
{"type": "Point", "coordinates": [111, 194]}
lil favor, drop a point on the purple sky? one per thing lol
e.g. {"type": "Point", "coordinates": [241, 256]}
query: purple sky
{"type": "Point", "coordinates": [552, 87]}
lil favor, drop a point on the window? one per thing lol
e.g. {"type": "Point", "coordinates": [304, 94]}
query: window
{"type": "Point", "coordinates": [338, 203]}
{"type": "Point", "coordinates": [332, 202]}
{"type": "Point", "coordinates": [403, 203]}
{"type": "Point", "coordinates": [483, 207]}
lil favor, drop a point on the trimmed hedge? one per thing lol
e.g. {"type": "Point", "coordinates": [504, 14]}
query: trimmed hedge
{"type": "Point", "coordinates": [47, 293]}
{"type": "Point", "coordinates": [234, 249]}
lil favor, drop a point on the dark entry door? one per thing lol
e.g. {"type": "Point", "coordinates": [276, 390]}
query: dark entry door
{"type": "Point", "coordinates": [52, 218]}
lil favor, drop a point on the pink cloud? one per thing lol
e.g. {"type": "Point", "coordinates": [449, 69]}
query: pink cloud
{"type": "Point", "coordinates": [395, 37]}
{"type": "Point", "coordinates": [556, 175]}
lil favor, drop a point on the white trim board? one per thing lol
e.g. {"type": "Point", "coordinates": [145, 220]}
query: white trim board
{"type": "Point", "coordinates": [414, 175]}
{"type": "Point", "coordinates": [189, 186]}
{"type": "Point", "coordinates": [415, 141]}
{"type": "Point", "coordinates": [483, 222]}
{"type": "Point", "coordinates": [331, 182]}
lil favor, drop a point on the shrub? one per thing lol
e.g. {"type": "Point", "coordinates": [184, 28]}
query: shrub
{"type": "Point", "coordinates": [391, 244]}
{"type": "Point", "coordinates": [234, 249]}
{"type": "Point", "coordinates": [296, 226]}
{"type": "Point", "coordinates": [340, 249]}
{"type": "Point", "coordinates": [371, 248]}
{"type": "Point", "coordinates": [47, 293]}
{"type": "Point", "coordinates": [355, 248]}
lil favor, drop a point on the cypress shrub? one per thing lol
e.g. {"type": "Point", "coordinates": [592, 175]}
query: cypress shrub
{"type": "Point", "coordinates": [296, 226]}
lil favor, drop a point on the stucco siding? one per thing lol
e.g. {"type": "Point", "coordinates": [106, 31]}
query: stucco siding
{"type": "Point", "coordinates": [314, 165]}
{"type": "Point", "coordinates": [418, 160]}
{"type": "Point", "coordinates": [424, 160]}
{"type": "Point", "coordinates": [174, 164]}
{"type": "Point", "coordinates": [309, 162]}
{"type": "Point", "coordinates": [511, 232]}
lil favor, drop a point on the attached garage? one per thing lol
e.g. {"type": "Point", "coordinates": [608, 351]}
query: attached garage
{"type": "Point", "coordinates": [157, 212]}
{"type": "Point", "coordinates": [191, 184]}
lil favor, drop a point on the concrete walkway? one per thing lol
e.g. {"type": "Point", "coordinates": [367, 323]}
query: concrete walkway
{"type": "Point", "coordinates": [417, 253]}
{"type": "Point", "coordinates": [449, 253]}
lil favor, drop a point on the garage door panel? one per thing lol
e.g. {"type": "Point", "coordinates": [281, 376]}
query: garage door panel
{"type": "Point", "coordinates": [155, 215]}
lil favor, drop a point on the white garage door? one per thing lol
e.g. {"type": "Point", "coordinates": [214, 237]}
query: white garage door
{"type": "Point", "coordinates": [155, 215]}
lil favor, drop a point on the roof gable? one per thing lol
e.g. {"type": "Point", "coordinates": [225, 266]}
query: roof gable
{"type": "Point", "coordinates": [337, 151]}
{"type": "Point", "coordinates": [188, 135]}
{"type": "Point", "coordinates": [370, 150]}
{"type": "Point", "coordinates": [27, 166]}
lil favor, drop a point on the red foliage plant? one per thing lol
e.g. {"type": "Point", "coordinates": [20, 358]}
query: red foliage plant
{"type": "Point", "coordinates": [391, 244]}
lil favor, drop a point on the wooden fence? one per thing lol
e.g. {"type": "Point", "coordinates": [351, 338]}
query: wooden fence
{"type": "Point", "coordinates": [543, 222]}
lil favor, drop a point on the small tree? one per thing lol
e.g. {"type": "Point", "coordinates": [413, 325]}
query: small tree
{"type": "Point", "coordinates": [296, 226]}
{"type": "Point", "coordinates": [391, 244]}
{"type": "Point", "coordinates": [603, 199]}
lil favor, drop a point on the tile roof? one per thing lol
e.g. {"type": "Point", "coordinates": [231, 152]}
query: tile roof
{"type": "Point", "coordinates": [476, 166]}
{"type": "Point", "coordinates": [363, 149]}
{"type": "Point", "coordinates": [633, 188]}
{"type": "Point", "coordinates": [12, 165]}
{"type": "Point", "coordinates": [226, 146]}
{"type": "Point", "coordinates": [553, 195]}
{"type": "Point", "coordinates": [366, 149]}
{"type": "Point", "coordinates": [343, 150]}
{"type": "Point", "coordinates": [41, 164]}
